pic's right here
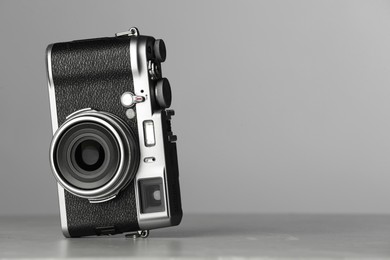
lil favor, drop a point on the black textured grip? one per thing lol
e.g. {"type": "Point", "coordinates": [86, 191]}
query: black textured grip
{"type": "Point", "coordinates": [94, 74]}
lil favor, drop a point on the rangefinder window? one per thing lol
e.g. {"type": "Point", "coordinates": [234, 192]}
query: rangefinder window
{"type": "Point", "coordinates": [152, 195]}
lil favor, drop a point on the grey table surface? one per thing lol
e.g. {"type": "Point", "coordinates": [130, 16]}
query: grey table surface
{"type": "Point", "coordinates": [209, 236]}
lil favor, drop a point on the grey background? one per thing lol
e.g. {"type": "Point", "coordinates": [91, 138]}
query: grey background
{"type": "Point", "coordinates": [282, 106]}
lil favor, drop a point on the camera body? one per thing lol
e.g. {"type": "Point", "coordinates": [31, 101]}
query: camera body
{"type": "Point", "coordinates": [113, 152]}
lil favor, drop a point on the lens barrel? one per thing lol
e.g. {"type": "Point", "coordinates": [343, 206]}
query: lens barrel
{"type": "Point", "coordinates": [94, 155]}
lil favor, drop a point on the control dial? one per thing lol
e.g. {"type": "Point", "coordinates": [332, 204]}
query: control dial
{"type": "Point", "coordinates": [160, 52]}
{"type": "Point", "coordinates": [163, 93]}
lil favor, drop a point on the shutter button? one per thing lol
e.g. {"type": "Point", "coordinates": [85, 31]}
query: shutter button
{"type": "Point", "coordinates": [128, 99]}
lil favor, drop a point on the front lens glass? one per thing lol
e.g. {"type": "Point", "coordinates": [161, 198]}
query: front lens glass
{"type": "Point", "coordinates": [89, 155]}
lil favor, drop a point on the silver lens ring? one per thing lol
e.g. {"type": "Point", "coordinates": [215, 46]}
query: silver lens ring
{"type": "Point", "coordinates": [128, 150]}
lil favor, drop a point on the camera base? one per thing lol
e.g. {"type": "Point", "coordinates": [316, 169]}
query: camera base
{"type": "Point", "coordinates": [138, 234]}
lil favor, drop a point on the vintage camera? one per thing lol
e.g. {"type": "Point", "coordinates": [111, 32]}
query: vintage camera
{"type": "Point", "coordinates": [113, 152]}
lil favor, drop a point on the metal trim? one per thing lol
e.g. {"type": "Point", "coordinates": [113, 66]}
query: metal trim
{"type": "Point", "coordinates": [54, 122]}
{"type": "Point", "coordinates": [142, 87]}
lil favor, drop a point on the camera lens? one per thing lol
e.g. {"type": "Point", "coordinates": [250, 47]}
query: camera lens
{"type": "Point", "coordinates": [94, 155]}
{"type": "Point", "coordinates": [89, 155]}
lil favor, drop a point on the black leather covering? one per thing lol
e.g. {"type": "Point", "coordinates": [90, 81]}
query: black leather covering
{"type": "Point", "coordinates": [94, 74]}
